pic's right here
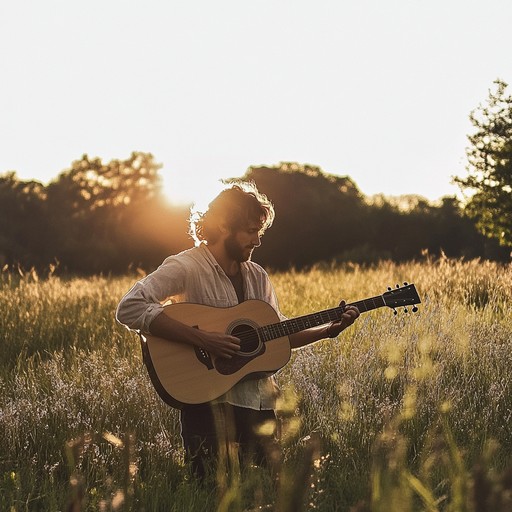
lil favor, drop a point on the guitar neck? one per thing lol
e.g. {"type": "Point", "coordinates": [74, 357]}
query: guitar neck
{"type": "Point", "coordinates": [301, 323]}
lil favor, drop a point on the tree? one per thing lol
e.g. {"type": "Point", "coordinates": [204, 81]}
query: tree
{"type": "Point", "coordinates": [22, 220]}
{"type": "Point", "coordinates": [490, 166]}
{"type": "Point", "coordinates": [318, 215]}
{"type": "Point", "coordinates": [105, 216]}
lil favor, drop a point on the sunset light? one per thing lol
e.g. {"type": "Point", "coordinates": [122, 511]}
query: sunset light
{"type": "Point", "coordinates": [198, 200]}
{"type": "Point", "coordinates": [335, 81]}
{"type": "Point", "coordinates": [187, 188]}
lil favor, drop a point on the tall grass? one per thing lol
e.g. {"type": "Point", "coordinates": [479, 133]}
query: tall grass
{"type": "Point", "coordinates": [405, 412]}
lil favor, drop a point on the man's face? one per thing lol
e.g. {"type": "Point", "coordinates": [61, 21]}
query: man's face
{"type": "Point", "coordinates": [240, 244]}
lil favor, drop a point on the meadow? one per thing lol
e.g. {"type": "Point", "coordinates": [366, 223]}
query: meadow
{"type": "Point", "coordinates": [401, 412]}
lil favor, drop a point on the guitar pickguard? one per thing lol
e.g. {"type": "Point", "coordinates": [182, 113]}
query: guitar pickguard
{"type": "Point", "coordinates": [230, 366]}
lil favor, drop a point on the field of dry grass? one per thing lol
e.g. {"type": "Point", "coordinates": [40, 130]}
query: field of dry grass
{"type": "Point", "coordinates": [401, 412]}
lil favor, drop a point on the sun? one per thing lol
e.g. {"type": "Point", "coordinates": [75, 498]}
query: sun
{"type": "Point", "coordinates": [191, 189]}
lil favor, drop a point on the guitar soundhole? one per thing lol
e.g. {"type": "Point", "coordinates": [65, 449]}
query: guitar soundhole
{"type": "Point", "coordinates": [249, 341]}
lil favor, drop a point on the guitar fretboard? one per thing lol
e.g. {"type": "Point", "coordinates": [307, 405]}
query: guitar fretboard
{"type": "Point", "coordinates": [301, 323]}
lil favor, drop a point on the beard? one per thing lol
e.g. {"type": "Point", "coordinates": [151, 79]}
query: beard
{"type": "Point", "coordinates": [235, 251]}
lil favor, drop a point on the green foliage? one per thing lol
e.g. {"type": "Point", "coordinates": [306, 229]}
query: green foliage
{"type": "Point", "coordinates": [490, 166]}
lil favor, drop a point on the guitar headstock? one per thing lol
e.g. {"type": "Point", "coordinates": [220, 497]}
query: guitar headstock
{"type": "Point", "coordinates": [402, 296]}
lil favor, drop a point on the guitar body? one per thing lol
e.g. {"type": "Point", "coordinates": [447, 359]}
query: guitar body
{"type": "Point", "coordinates": [183, 374]}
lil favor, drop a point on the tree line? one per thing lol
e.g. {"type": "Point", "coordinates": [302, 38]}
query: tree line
{"type": "Point", "coordinates": [108, 217]}
{"type": "Point", "coordinates": [94, 217]}
{"type": "Point", "coordinates": [98, 217]}
{"type": "Point", "coordinates": [321, 217]}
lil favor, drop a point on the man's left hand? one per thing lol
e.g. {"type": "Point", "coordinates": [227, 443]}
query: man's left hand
{"type": "Point", "coordinates": [349, 316]}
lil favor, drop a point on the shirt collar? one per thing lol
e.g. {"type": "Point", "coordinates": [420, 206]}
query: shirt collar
{"type": "Point", "coordinates": [211, 259]}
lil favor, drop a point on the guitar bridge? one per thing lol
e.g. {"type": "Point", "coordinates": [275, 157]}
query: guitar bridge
{"type": "Point", "coordinates": [204, 357]}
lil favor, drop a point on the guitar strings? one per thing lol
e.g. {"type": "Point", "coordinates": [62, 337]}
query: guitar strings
{"type": "Point", "coordinates": [331, 314]}
{"type": "Point", "coordinates": [281, 329]}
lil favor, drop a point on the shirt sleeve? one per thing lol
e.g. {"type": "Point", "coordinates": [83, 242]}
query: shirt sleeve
{"type": "Point", "coordinates": [145, 300]}
{"type": "Point", "coordinates": [272, 300]}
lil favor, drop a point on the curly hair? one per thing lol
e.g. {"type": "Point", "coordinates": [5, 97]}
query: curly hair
{"type": "Point", "coordinates": [236, 206]}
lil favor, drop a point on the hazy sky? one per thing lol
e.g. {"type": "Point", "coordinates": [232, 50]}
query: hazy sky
{"type": "Point", "coordinates": [379, 90]}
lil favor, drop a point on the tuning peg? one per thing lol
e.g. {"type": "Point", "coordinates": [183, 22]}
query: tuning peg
{"type": "Point", "coordinates": [405, 283]}
{"type": "Point", "coordinates": [414, 309]}
{"type": "Point", "coordinates": [398, 286]}
{"type": "Point", "coordinates": [389, 288]}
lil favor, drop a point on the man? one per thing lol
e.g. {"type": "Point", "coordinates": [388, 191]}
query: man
{"type": "Point", "coordinates": [219, 272]}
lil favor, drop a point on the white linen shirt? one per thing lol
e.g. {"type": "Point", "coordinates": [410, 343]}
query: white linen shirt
{"type": "Point", "coordinates": [195, 276]}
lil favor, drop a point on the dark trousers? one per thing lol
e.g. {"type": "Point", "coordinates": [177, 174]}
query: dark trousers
{"type": "Point", "coordinates": [224, 433]}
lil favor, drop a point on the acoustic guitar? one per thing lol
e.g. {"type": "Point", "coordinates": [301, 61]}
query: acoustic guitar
{"type": "Point", "coordinates": [185, 374]}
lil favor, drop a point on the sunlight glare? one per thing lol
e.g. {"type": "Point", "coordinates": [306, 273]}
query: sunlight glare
{"type": "Point", "coordinates": [191, 189]}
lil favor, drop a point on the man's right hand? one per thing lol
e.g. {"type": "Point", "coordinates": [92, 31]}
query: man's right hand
{"type": "Point", "coordinates": [216, 343]}
{"type": "Point", "coordinates": [219, 344]}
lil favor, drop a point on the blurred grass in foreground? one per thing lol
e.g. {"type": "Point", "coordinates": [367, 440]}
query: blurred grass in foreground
{"type": "Point", "coordinates": [405, 412]}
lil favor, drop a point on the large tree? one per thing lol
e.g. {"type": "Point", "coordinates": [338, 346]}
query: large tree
{"type": "Point", "coordinates": [318, 215]}
{"type": "Point", "coordinates": [105, 216]}
{"type": "Point", "coordinates": [488, 185]}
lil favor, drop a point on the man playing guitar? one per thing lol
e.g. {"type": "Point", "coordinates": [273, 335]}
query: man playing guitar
{"type": "Point", "coordinates": [218, 272]}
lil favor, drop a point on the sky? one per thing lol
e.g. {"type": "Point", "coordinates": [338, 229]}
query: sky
{"type": "Point", "coordinates": [379, 90]}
